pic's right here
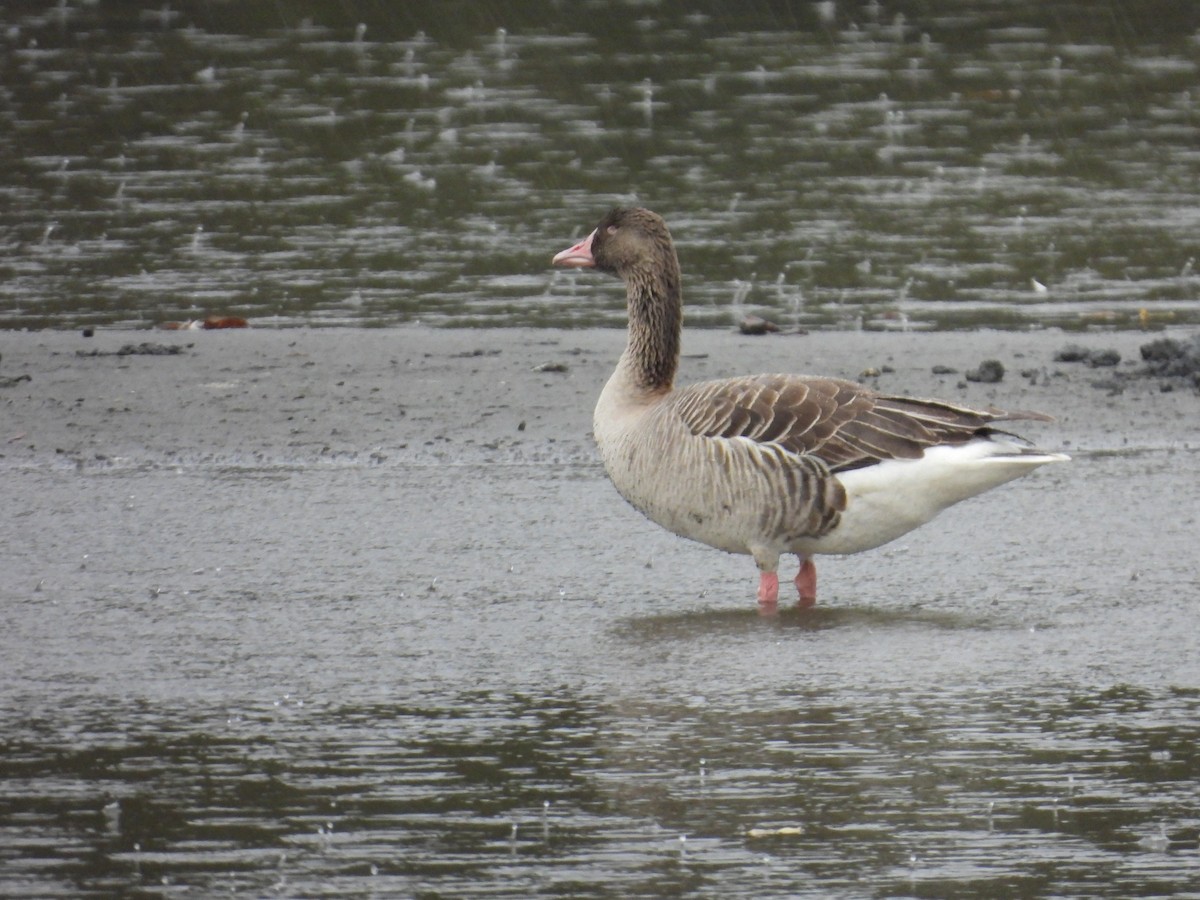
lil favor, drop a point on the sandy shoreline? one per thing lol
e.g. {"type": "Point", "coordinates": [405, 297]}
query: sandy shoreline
{"type": "Point", "coordinates": [421, 395]}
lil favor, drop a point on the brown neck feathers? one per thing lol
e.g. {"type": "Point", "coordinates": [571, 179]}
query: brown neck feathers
{"type": "Point", "coordinates": [655, 320]}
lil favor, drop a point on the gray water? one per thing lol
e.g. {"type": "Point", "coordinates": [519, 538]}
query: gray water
{"type": "Point", "coordinates": [236, 695]}
{"type": "Point", "coordinates": [943, 164]}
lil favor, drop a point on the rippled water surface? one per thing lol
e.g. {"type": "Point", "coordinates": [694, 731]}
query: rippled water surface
{"type": "Point", "coordinates": [265, 691]}
{"type": "Point", "coordinates": [916, 164]}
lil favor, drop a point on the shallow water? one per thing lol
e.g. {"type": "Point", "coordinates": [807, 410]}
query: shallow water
{"type": "Point", "coordinates": [263, 691]}
{"type": "Point", "coordinates": [941, 164]}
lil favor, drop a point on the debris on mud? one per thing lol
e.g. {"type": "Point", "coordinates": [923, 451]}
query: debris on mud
{"type": "Point", "coordinates": [756, 325]}
{"type": "Point", "coordinates": [145, 348]}
{"type": "Point", "coordinates": [1164, 358]}
{"type": "Point", "coordinates": [1169, 358]}
{"type": "Point", "coordinates": [990, 371]}
{"type": "Point", "coordinates": [1094, 358]}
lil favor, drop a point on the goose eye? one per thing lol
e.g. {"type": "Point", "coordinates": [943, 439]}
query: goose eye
{"type": "Point", "coordinates": [612, 229]}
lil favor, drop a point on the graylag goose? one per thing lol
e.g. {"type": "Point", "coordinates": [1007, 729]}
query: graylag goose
{"type": "Point", "coordinates": [772, 464]}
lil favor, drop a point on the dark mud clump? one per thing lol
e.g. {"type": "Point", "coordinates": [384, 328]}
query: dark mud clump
{"type": "Point", "coordinates": [1072, 353]}
{"type": "Point", "coordinates": [143, 349]}
{"type": "Point", "coordinates": [990, 371]}
{"type": "Point", "coordinates": [1094, 358]}
{"type": "Point", "coordinates": [1169, 358]}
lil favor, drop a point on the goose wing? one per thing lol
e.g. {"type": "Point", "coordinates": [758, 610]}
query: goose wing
{"type": "Point", "coordinates": [846, 425]}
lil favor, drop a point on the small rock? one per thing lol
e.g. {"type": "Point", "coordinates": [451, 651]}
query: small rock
{"type": "Point", "coordinates": [1073, 353]}
{"type": "Point", "coordinates": [870, 372]}
{"type": "Point", "coordinates": [1103, 358]}
{"type": "Point", "coordinates": [990, 371]}
{"type": "Point", "coordinates": [551, 367]}
{"type": "Point", "coordinates": [754, 325]}
{"type": "Point", "coordinates": [944, 370]}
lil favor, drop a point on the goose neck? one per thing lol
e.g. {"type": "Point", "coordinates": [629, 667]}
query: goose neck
{"type": "Point", "coordinates": [655, 322]}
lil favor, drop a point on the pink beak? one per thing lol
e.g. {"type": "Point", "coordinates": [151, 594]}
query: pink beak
{"type": "Point", "coordinates": [577, 257]}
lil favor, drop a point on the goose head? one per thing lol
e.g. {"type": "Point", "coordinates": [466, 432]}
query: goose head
{"type": "Point", "coordinates": [627, 243]}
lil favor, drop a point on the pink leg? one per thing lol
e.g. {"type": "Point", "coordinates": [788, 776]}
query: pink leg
{"type": "Point", "coordinates": [768, 588]}
{"type": "Point", "coordinates": [806, 583]}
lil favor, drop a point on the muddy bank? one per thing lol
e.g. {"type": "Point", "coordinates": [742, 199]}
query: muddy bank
{"type": "Point", "coordinates": [377, 397]}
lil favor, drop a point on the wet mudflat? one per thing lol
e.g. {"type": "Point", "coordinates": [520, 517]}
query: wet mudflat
{"type": "Point", "coordinates": [355, 613]}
